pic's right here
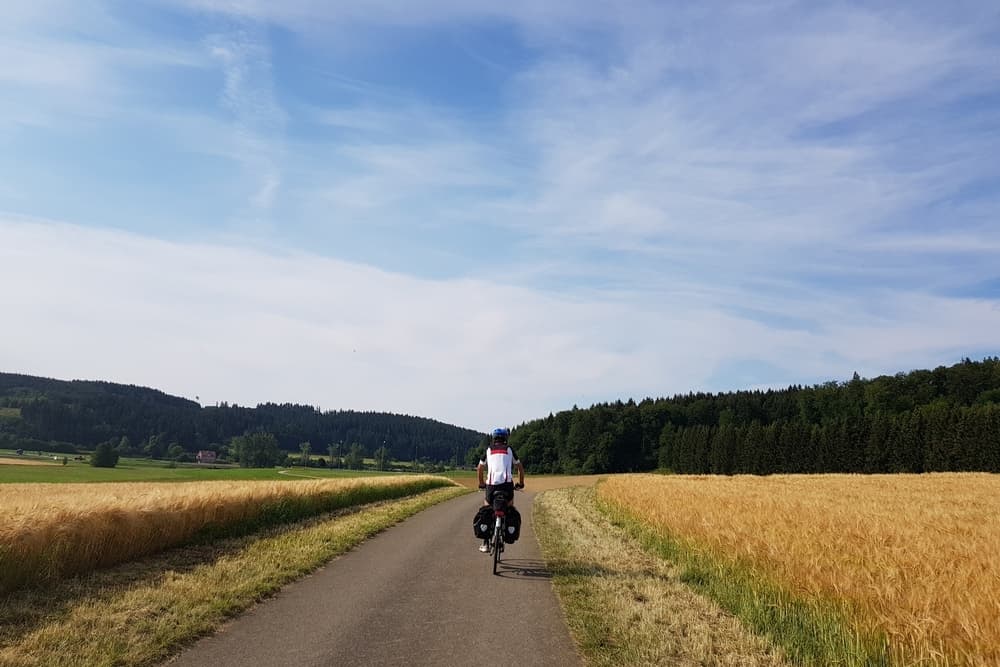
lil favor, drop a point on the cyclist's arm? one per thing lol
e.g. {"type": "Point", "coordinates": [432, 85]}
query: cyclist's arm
{"type": "Point", "coordinates": [479, 473]}
{"type": "Point", "coordinates": [520, 473]}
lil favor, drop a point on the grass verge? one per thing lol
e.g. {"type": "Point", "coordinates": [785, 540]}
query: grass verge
{"type": "Point", "coordinates": [627, 606]}
{"type": "Point", "coordinates": [140, 613]}
{"type": "Point", "coordinates": [810, 632]}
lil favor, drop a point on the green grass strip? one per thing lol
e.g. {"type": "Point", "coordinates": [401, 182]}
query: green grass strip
{"type": "Point", "coordinates": [132, 469]}
{"type": "Point", "coordinates": [812, 632]}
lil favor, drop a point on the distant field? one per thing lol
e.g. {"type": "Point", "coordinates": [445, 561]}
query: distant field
{"type": "Point", "coordinates": [10, 413]}
{"type": "Point", "coordinates": [20, 461]}
{"type": "Point", "coordinates": [911, 558]}
{"type": "Point", "coordinates": [146, 470]}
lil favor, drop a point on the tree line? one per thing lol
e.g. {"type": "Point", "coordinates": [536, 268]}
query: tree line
{"type": "Point", "coordinates": [58, 415]}
{"type": "Point", "coordinates": [946, 419]}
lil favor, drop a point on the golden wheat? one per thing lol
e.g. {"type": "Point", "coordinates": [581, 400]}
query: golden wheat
{"type": "Point", "coordinates": [138, 613]}
{"type": "Point", "coordinates": [625, 606]}
{"type": "Point", "coordinates": [916, 557]}
{"type": "Point", "coordinates": [51, 530]}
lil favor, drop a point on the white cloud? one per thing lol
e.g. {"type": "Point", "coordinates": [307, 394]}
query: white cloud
{"type": "Point", "coordinates": [707, 142]}
{"type": "Point", "coordinates": [258, 120]}
{"type": "Point", "coordinates": [69, 59]}
{"type": "Point", "coordinates": [235, 324]}
{"type": "Point", "coordinates": [78, 69]}
{"type": "Point", "coordinates": [307, 15]}
{"type": "Point", "coordinates": [661, 169]}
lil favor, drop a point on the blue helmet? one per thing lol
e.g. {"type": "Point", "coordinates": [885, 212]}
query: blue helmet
{"type": "Point", "coordinates": [501, 434]}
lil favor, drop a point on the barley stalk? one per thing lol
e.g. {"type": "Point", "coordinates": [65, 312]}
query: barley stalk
{"type": "Point", "coordinates": [48, 531]}
{"type": "Point", "coordinates": [914, 557]}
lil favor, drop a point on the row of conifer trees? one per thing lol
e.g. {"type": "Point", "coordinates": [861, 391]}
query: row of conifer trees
{"type": "Point", "coordinates": [947, 419]}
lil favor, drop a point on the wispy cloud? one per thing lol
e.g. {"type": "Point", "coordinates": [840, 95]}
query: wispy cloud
{"type": "Point", "coordinates": [644, 198]}
{"type": "Point", "coordinates": [62, 61]}
{"type": "Point", "coordinates": [258, 119]}
{"type": "Point", "coordinates": [305, 328]}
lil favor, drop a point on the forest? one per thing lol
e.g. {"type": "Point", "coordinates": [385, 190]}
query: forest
{"type": "Point", "coordinates": [57, 415]}
{"type": "Point", "coordinates": [946, 419]}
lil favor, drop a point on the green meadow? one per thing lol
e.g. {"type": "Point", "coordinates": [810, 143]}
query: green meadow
{"type": "Point", "coordinates": [34, 468]}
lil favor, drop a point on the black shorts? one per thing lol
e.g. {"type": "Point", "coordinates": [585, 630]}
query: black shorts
{"type": "Point", "coordinates": [506, 487]}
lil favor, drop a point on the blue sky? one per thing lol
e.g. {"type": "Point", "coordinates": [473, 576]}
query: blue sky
{"type": "Point", "coordinates": [482, 214]}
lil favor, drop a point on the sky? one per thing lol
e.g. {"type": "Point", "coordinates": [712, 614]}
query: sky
{"type": "Point", "coordinates": [484, 212]}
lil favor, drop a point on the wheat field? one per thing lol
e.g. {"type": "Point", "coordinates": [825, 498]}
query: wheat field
{"type": "Point", "coordinates": [916, 557]}
{"type": "Point", "coordinates": [49, 531]}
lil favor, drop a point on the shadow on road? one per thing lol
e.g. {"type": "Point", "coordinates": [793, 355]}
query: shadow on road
{"type": "Point", "coordinates": [524, 568]}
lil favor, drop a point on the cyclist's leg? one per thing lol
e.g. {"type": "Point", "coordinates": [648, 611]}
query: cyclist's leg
{"type": "Point", "coordinates": [508, 490]}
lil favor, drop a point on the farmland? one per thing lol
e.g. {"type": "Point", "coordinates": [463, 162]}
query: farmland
{"type": "Point", "coordinates": [870, 568]}
{"type": "Point", "coordinates": [142, 611]}
{"type": "Point", "coordinates": [126, 573]}
{"type": "Point", "coordinates": [30, 468]}
{"type": "Point", "coordinates": [818, 569]}
{"type": "Point", "coordinates": [48, 531]}
{"type": "Point", "coordinates": [625, 606]}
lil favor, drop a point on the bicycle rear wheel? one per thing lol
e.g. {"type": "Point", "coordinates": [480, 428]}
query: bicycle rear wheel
{"type": "Point", "coordinates": [497, 547]}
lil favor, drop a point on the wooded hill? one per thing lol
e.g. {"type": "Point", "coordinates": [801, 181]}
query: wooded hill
{"type": "Point", "coordinates": [947, 419]}
{"type": "Point", "coordinates": [57, 415]}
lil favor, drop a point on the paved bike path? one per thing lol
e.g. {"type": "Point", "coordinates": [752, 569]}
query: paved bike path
{"type": "Point", "coordinates": [419, 593]}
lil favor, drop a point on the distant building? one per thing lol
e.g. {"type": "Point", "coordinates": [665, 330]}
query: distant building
{"type": "Point", "coordinates": [205, 456]}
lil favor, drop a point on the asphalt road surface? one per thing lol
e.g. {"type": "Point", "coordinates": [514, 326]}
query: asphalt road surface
{"type": "Point", "coordinates": [419, 593]}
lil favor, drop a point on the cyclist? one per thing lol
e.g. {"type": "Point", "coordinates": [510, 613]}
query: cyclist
{"type": "Point", "coordinates": [496, 466]}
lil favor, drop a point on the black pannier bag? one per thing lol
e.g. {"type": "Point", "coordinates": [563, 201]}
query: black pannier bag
{"type": "Point", "coordinates": [513, 525]}
{"type": "Point", "coordinates": [482, 525]}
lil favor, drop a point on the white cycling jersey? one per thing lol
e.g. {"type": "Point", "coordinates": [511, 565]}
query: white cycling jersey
{"type": "Point", "coordinates": [499, 461]}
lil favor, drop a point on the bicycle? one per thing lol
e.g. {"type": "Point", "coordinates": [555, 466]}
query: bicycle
{"type": "Point", "coordinates": [500, 503]}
